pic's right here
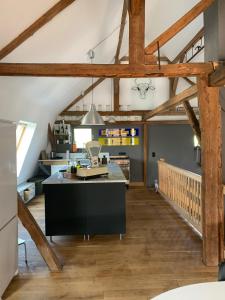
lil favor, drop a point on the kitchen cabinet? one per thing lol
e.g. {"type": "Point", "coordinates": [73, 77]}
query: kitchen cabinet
{"type": "Point", "coordinates": [93, 206]}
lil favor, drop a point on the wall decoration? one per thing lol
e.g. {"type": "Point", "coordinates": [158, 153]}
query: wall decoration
{"type": "Point", "coordinates": [143, 87]}
{"type": "Point", "coordinates": [119, 137]}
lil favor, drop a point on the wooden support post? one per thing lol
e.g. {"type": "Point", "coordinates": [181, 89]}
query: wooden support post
{"type": "Point", "coordinates": [136, 31]}
{"type": "Point", "coordinates": [116, 88]}
{"type": "Point", "coordinates": [145, 142]}
{"type": "Point", "coordinates": [174, 86]}
{"type": "Point", "coordinates": [171, 80]}
{"type": "Point", "coordinates": [38, 237]}
{"type": "Point", "coordinates": [212, 187]}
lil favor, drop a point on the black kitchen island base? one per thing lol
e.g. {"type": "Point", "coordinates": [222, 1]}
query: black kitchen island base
{"type": "Point", "coordinates": [85, 208]}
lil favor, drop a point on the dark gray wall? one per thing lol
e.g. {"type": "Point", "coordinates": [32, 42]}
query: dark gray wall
{"type": "Point", "coordinates": [174, 143]}
{"type": "Point", "coordinates": [214, 22]}
{"type": "Point", "coordinates": [134, 152]}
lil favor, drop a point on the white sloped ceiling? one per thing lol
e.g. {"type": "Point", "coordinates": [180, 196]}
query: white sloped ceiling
{"type": "Point", "coordinates": [84, 25]}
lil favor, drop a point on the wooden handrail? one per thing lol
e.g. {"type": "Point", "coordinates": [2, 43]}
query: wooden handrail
{"type": "Point", "coordinates": [182, 189]}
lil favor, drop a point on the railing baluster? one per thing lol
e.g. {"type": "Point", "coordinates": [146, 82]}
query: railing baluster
{"type": "Point", "coordinates": [182, 189]}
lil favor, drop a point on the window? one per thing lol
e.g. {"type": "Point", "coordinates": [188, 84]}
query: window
{"type": "Point", "coordinates": [82, 136]}
{"type": "Point", "coordinates": [24, 134]}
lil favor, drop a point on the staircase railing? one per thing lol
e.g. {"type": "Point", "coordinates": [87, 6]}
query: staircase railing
{"type": "Point", "coordinates": [182, 189]}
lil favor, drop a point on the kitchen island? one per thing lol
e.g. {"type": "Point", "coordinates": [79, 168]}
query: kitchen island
{"type": "Point", "coordinates": [87, 207]}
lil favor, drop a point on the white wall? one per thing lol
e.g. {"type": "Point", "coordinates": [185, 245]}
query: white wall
{"type": "Point", "coordinates": [28, 109]}
{"type": "Point", "coordinates": [83, 25]}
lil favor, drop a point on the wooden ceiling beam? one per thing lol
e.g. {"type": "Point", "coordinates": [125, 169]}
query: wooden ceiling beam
{"type": "Point", "coordinates": [44, 19]}
{"type": "Point", "coordinates": [217, 78]}
{"type": "Point", "coordinates": [148, 59]}
{"type": "Point", "coordinates": [186, 95]}
{"type": "Point", "coordinates": [194, 122]}
{"type": "Point", "coordinates": [158, 122]}
{"type": "Point", "coordinates": [124, 113]}
{"type": "Point", "coordinates": [178, 26]}
{"type": "Point", "coordinates": [104, 70]}
{"type": "Point", "coordinates": [136, 10]}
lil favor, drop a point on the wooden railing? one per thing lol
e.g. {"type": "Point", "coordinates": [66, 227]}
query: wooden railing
{"type": "Point", "coordinates": [182, 189]}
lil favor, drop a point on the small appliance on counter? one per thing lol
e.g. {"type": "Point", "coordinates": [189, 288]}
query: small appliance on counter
{"type": "Point", "coordinates": [93, 149]}
{"type": "Point", "coordinates": [105, 157]}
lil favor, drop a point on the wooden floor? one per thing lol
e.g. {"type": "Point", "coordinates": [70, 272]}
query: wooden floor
{"type": "Point", "coordinates": [158, 253]}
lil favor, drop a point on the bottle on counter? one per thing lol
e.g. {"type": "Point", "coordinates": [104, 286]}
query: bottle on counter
{"type": "Point", "coordinates": [104, 160]}
{"type": "Point", "coordinates": [68, 170]}
{"type": "Point", "coordinates": [73, 169]}
{"type": "Point", "coordinates": [67, 154]}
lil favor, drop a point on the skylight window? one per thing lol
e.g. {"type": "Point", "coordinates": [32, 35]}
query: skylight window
{"type": "Point", "coordinates": [82, 136]}
{"type": "Point", "coordinates": [24, 134]}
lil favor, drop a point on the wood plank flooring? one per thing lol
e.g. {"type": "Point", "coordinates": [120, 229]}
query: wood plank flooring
{"type": "Point", "coordinates": [158, 253]}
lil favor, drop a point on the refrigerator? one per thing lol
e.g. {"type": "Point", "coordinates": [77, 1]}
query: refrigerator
{"type": "Point", "coordinates": [8, 204]}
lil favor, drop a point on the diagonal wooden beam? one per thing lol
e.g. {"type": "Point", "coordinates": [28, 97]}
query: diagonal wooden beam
{"type": "Point", "coordinates": [122, 27]}
{"type": "Point", "coordinates": [105, 70]}
{"type": "Point", "coordinates": [44, 19]}
{"type": "Point", "coordinates": [180, 59]}
{"type": "Point", "coordinates": [187, 94]}
{"type": "Point", "coordinates": [38, 237]}
{"type": "Point", "coordinates": [116, 81]}
{"type": "Point", "coordinates": [189, 81]}
{"type": "Point", "coordinates": [178, 26]}
{"type": "Point", "coordinates": [86, 92]}
{"type": "Point", "coordinates": [182, 53]}
{"type": "Point", "coordinates": [193, 120]}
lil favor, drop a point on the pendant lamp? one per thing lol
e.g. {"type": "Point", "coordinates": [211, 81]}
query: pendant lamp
{"type": "Point", "coordinates": [92, 117]}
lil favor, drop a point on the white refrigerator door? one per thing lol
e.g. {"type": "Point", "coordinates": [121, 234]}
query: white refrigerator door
{"type": "Point", "coordinates": [8, 177]}
{"type": "Point", "coordinates": [8, 254]}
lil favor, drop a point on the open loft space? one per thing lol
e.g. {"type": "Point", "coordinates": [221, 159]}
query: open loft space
{"type": "Point", "coordinates": [112, 174]}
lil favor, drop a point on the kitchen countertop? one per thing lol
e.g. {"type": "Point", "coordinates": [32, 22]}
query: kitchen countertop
{"type": "Point", "coordinates": [115, 175]}
{"type": "Point", "coordinates": [50, 162]}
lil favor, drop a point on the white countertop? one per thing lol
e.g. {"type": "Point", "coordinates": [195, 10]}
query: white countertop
{"type": "Point", "coordinates": [115, 175]}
